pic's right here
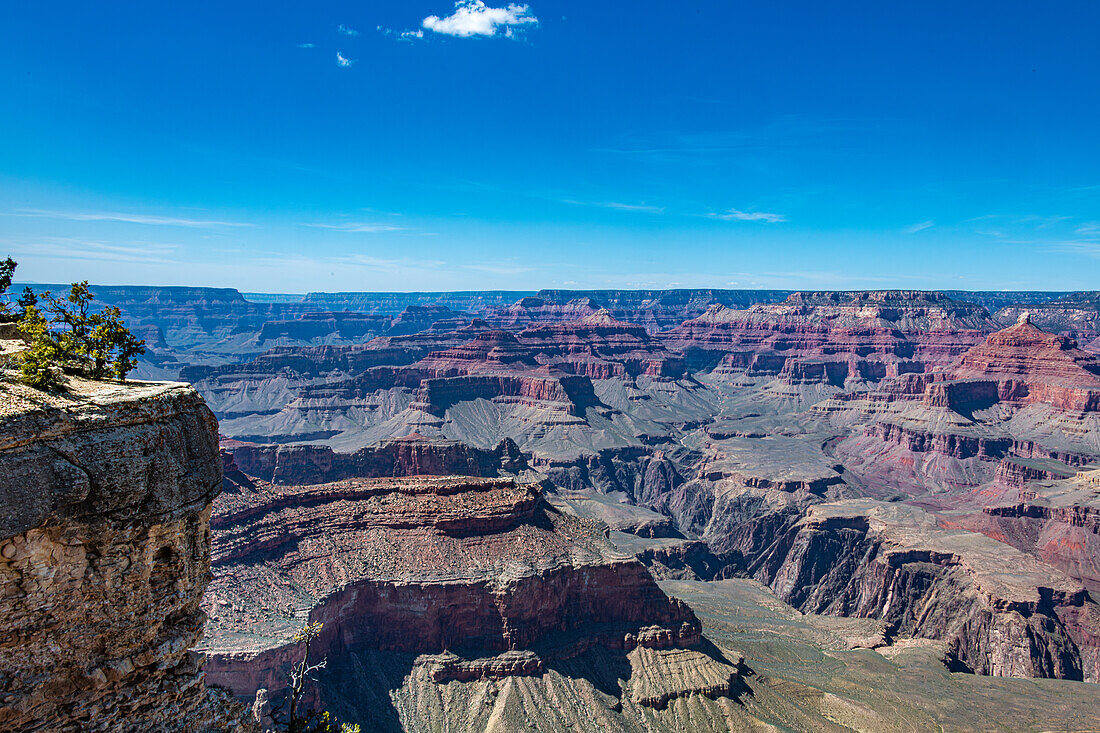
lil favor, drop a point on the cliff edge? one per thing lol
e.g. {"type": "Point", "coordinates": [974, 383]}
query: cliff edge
{"type": "Point", "coordinates": [104, 557]}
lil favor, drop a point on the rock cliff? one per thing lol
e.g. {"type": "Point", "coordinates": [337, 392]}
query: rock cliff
{"type": "Point", "coordinates": [1000, 612]}
{"type": "Point", "coordinates": [463, 578]}
{"type": "Point", "coordinates": [104, 557]}
{"type": "Point", "coordinates": [1024, 364]}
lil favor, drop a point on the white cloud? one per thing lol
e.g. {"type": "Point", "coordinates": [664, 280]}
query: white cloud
{"type": "Point", "coordinates": [401, 35]}
{"type": "Point", "coordinates": [346, 30]}
{"type": "Point", "coordinates": [126, 218]}
{"type": "Point", "coordinates": [475, 18]}
{"type": "Point", "coordinates": [919, 227]}
{"type": "Point", "coordinates": [632, 207]}
{"type": "Point", "coordinates": [735, 215]}
{"type": "Point", "coordinates": [305, 45]}
{"type": "Point", "coordinates": [342, 61]}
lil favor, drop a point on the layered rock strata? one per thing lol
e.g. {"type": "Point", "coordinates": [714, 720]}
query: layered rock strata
{"type": "Point", "coordinates": [1000, 611]}
{"type": "Point", "coordinates": [1024, 365]}
{"type": "Point", "coordinates": [104, 557]}
{"type": "Point", "coordinates": [411, 455]}
{"type": "Point", "coordinates": [474, 578]}
{"type": "Point", "coordinates": [834, 337]}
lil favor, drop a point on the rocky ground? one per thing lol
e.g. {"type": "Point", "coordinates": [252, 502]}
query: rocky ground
{"type": "Point", "coordinates": [452, 578]}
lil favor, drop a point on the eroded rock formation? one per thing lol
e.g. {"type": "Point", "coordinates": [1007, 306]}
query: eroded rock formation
{"type": "Point", "coordinates": [104, 557]}
{"type": "Point", "coordinates": [467, 578]}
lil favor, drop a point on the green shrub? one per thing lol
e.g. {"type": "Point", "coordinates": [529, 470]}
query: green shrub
{"type": "Point", "coordinates": [7, 270]}
{"type": "Point", "coordinates": [75, 338]}
{"type": "Point", "coordinates": [288, 718]}
{"type": "Point", "coordinates": [37, 368]}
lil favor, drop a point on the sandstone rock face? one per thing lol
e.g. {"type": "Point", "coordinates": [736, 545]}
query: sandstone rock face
{"type": "Point", "coordinates": [411, 455]}
{"type": "Point", "coordinates": [1057, 518]}
{"type": "Point", "coordinates": [1026, 364]}
{"type": "Point", "coordinates": [1001, 613]}
{"type": "Point", "coordinates": [533, 309]}
{"type": "Point", "coordinates": [104, 557]}
{"type": "Point", "coordinates": [658, 310]}
{"type": "Point", "coordinates": [834, 337]}
{"type": "Point", "coordinates": [1076, 315]}
{"type": "Point", "coordinates": [708, 429]}
{"type": "Point", "coordinates": [481, 575]}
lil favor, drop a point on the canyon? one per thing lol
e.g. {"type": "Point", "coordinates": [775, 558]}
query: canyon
{"type": "Point", "coordinates": [734, 508]}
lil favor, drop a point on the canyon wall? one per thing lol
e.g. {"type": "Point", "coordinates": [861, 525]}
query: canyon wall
{"type": "Point", "coordinates": [104, 557]}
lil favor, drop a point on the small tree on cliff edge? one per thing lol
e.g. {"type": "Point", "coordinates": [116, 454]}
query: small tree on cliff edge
{"type": "Point", "coordinates": [7, 270]}
{"type": "Point", "coordinates": [75, 338]}
{"type": "Point", "coordinates": [293, 721]}
{"type": "Point", "coordinates": [27, 299]}
{"type": "Point", "coordinates": [89, 342]}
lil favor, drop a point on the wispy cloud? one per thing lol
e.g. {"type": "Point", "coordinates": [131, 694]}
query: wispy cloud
{"type": "Point", "coordinates": [616, 205]}
{"type": "Point", "coordinates": [306, 45]}
{"type": "Point", "coordinates": [70, 248]}
{"type": "Point", "coordinates": [1024, 221]}
{"type": "Point", "coordinates": [1089, 247]}
{"type": "Point", "coordinates": [1052, 233]}
{"type": "Point", "coordinates": [126, 218]}
{"type": "Point", "coordinates": [359, 227]}
{"type": "Point", "coordinates": [788, 134]}
{"type": "Point", "coordinates": [344, 62]}
{"type": "Point", "coordinates": [919, 227]}
{"type": "Point", "coordinates": [500, 269]}
{"type": "Point", "coordinates": [347, 31]}
{"type": "Point", "coordinates": [401, 35]}
{"type": "Point", "coordinates": [475, 18]}
{"type": "Point", "coordinates": [735, 215]}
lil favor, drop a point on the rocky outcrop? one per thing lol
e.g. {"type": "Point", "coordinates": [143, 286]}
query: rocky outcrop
{"type": "Point", "coordinates": [920, 453]}
{"type": "Point", "coordinates": [533, 309]}
{"type": "Point", "coordinates": [1000, 611]}
{"type": "Point", "coordinates": [104, 557]}
{"type": "Point", "coordinates": [1025, 365]}
{"type": "Point", "coordinates": [1076, 315]}
{"type": "Point", "coordinates": [601, 347]}
{"type": "Point", "coordinates": [1052, 516]}
{"type": "Point", "coordinates": [481, 575]}
{"type": "Point", "coordinates": [597, 346]}
{"type": "Point", "coordinates": [568, 394]}
{"type": "Point", "coordinates": [658, 310]}
{"type": "Point", "coordinates": [412, 455]}
{"type": "Point", "coordinates": [834, 337]}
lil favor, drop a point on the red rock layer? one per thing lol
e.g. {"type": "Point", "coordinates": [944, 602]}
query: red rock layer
{"type": "Point", "coordinates": [1025, 365]}
{"type": "Point", "coordinates": [423, 565]}
{"type": "Point", "coordinates": [412, 455]}
{"type": "Point", "coordinates": [832, 337]}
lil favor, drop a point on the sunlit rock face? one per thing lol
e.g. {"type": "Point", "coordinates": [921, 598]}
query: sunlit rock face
{"type": "Point", "coordinates": [1028, 365]}
{"type": "Point", "coordinates": [481, 571]}
{"type": "Point", "coordinates": [104, 557]}
{"type": "Point", "coordinates": [834, 337]}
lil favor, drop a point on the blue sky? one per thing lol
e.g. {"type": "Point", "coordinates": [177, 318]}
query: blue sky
{"type": "Point", "coordinates": [286, 147]}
